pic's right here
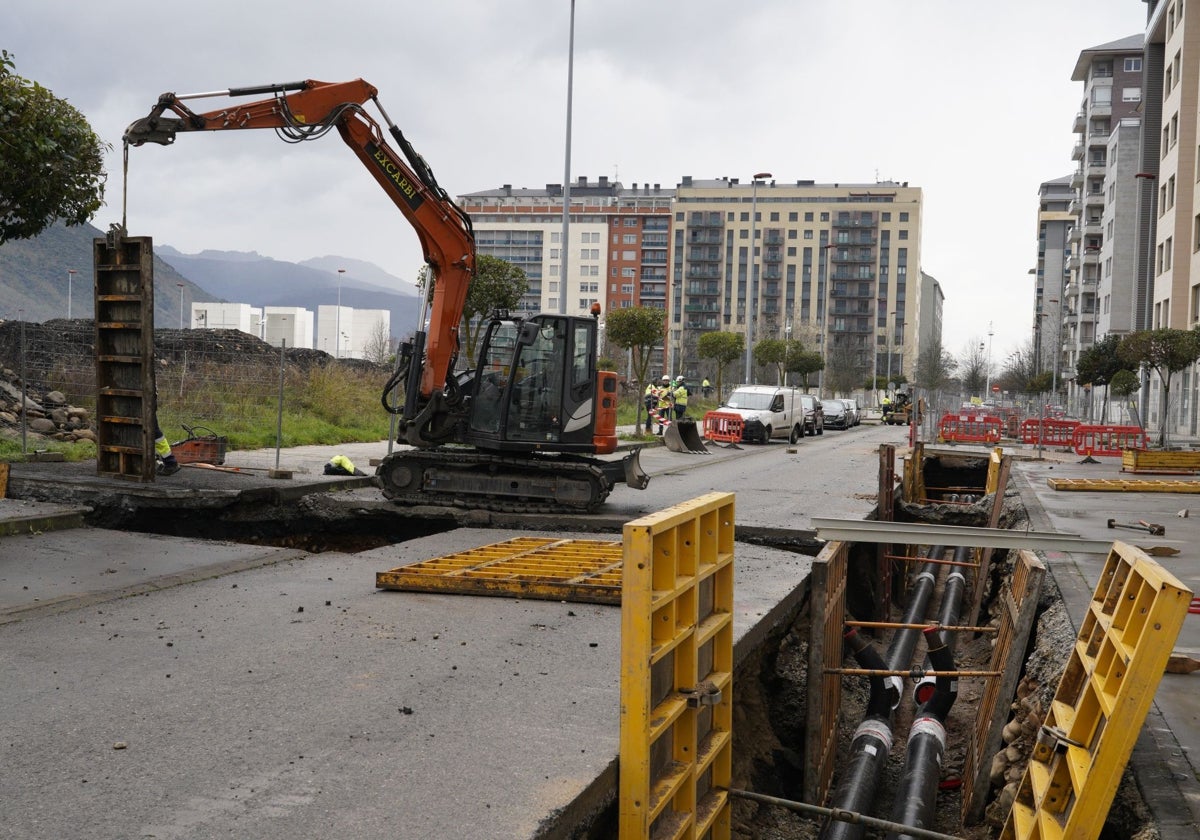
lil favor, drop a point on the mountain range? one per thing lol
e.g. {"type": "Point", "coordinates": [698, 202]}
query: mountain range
{"type": "Point", "coordinates": [34, 280]}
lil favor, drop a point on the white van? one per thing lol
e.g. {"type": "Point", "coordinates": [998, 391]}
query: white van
{"type": "Point", "coordinates": [769, 412]}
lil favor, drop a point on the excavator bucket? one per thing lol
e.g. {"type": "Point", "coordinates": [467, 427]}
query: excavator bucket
{"type": "Point", "coordinates": [682, 436]}
{"type": "Point", "coordinates": [631, 466]}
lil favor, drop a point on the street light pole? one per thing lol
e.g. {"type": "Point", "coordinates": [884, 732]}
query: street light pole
{"type": "Point", "coordinates": [1148, 299]}
{"type": "Point", "coordinates": [752, 310]}
{"type": "Point", "coordinates": [337, 318]}
{"type": "Point", "coordinates": [180, 285]}
{"type": "Point", "coordinates": [987, 366]}
{"type": "Point", "coordinates": [70, 281]}
{"type": "Point", "coordinates": [566, 218]}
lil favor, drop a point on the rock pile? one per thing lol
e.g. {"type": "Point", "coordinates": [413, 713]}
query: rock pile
{"type": "Point", "coordinates": [47, 414]}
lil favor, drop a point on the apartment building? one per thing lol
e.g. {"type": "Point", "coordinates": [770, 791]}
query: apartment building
{"type": "Point", "coordinates": [1103, 237]}
{"type": "Point", "coordinates": [1053, 272]}
{"type": "Point", "coordinates": [827, 264]}
{"type": "Point", "coordinates": [617, 253]}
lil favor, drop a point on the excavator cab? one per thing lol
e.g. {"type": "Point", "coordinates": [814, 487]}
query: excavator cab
{"type": "Point", "coordinates": [537, 387]}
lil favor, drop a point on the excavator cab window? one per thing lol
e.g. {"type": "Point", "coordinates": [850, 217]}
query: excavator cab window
{"type": "Point", "coordinates": [536, 399]}
{"type": "Point", "coordinates": [495, 364]}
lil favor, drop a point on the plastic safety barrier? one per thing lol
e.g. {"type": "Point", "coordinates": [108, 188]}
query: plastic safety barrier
{"type": "Point", "coordinates": [1108, 440]}
{"type": "Point", "coordinates": [1048, 432]}
{"type": "Point", "coordinates": [723, 426]}
{"type": "Point", "coordinates": [970, 428]}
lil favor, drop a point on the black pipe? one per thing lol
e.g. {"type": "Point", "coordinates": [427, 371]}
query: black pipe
{"type": "Point", "coordinates": [948, 614]}
{"type": "Point", "coordinates": [872, 742]}
{"type": "Point", "coordinates": [871, 745]}
{"type": "Point", "coordinates": [916, 801]}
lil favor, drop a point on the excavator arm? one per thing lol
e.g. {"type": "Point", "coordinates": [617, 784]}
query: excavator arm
{"type": "Point", "coordinates": [306, 110]}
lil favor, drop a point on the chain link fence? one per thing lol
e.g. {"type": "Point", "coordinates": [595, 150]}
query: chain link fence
{"type": "Point", "coordinates": [225, 381]}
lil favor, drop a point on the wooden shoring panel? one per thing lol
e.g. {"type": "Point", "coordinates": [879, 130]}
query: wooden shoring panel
{"type": "Point", "coordinates": [829, 579]}
{"type": "Point", "coordinates": [545, 568]}
{"type": "Point", "coordinates": [1125, 485]}
{"type": "Point", "coordinates": [999, 468]}
{"type": "Point", "coordinates": [1101, 701]}
{"type": "Point", "coordinates": [1017, 613]}
{"type": "Point", "coordinates": [676, 739]}
{"type": "Point", "coordinates": [124, 347]}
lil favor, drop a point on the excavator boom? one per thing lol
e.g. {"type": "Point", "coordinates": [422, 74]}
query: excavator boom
{"type": "Point", "coordinates": [530, 420]}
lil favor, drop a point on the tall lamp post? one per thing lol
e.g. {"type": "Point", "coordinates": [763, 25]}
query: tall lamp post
{"type": "Point", "coordinates": [180, 285]}
{"type": "Point", "coordinates": [566, 218]}
{"type": "Point", "coordinates": [70, 281]}
{"type": "Point", "coordinates": [891, 336]}
{"type": "Point", "coordinates": [826, 301]}
{"type": "Point", "coordinates": [337, 318]}
{"type": "Point", "coordinates": [752, 305]}
{"type": "Point", "coordinates": [1148, 298]}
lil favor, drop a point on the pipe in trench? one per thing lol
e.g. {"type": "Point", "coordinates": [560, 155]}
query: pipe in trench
{"type": "Point", "coordinates": [916, 800]}
{"type": "Point", "coordinates": [872, 743]}
{"type": "Point", "coordinates": [948, 615]}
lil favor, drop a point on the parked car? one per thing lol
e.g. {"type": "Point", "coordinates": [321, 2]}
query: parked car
{"type": "Point", "coordinates": [814, 415]}
{"type": "Point", "coordinates": [836, 414]}
{"type": "Point", "coordinates": [770, 412]}
{"type": "Point", "coordinates": [853, 412]}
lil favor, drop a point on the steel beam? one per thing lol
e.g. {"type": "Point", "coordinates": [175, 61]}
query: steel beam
{"type": "Point", "coordinates": [918, 533]}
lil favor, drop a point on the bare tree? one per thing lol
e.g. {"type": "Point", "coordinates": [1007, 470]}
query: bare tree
{"type": "Point", "coordinates": [378, 346]}
{"type": "Point", "coordinates": [973, 368]}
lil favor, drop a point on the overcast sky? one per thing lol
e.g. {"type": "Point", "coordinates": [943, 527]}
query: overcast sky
{"type": "Point", "coordinates": [972, 102]}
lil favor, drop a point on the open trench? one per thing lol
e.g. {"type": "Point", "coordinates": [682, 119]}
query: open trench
{"type": "Point", "coordinates": [770, 707]}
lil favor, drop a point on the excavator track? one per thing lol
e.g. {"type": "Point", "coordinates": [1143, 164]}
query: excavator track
{"type": "Point", "coordinates": [483, 481]}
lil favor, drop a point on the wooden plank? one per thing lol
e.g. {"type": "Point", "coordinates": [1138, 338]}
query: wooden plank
{"type": "Point", "coordinates": [1124, 485]}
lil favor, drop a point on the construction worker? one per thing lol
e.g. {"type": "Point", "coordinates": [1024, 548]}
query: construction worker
{"type": "Point", "coordinates": [650, 397]}
{"type": "Point", "coordinates": [168, 465]}
{"type": "Point", "coordinates": [706, 388]}
{"type": "Point", "coordinates": [666, 398]}
{"type": "Point", "coordinates": [680, 395]}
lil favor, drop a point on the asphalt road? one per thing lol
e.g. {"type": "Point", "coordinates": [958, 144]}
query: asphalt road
{"type": "Point", "coordinates": [282, 696]}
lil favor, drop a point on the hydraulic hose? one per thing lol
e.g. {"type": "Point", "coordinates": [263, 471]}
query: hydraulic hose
{"type": "Point", "coordinates": [916, 800]}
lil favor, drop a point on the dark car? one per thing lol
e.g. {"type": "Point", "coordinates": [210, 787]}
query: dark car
{"type": "Point", "coordinates": [814, 415]}
{"type": "Point", "coordinates": [836, 415]}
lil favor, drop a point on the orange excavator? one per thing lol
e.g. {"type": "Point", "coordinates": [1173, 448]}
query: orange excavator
{"type": "Point", "coordinates": [519, 432]}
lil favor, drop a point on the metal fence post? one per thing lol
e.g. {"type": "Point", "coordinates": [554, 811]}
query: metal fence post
{"type": "Point", "coordinates": [24, 388]}
{"type": "Point", "coordinates": [279, 414]}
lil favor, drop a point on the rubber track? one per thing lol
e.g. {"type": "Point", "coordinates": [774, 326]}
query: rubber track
{"type": "Point", "coordinates": [559, 466]}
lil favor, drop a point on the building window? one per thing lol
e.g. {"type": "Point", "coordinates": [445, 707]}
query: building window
{"type": "Point", "coordinates": [774, 216]}
{"type": "Point", "coordinates": [808, 234]}
{"type": "Point", "coordinates": [824, 217]}
{"type": "Point", "coordinates": [1174, 128]}
{"type": "Point", "coordinates": [793, 216]}
{"type": "Point", "coordinates": [553, 272]}
{"type": "Point", "coordinates": [629, 239]}
{"type": "Point", "coordinates": [555, 236]}
{"type": "Point", "coordinates": [629, 255]}
{"type": "Point", "coordinates": [1102, 95]}
{"type": "Point", "coordinates": [1168, 246]}
{"type": "Point", "coordinates": [808, 217]}
{"type": "Point", "coordinates": [633, 222]}
{"type": "Point", "coordinates": [1171, 191]}
{"type": "Point", "coordinates": [885, 217]}
{"type": "Point", "coordinates": [626, 272]}
{"type": "Point", "coordinates": [553, 253]}
{"type": "Point", "coordinates": [904, 234]}
{"type": "Point", "coordinates": [1133, 65]}
{"type": "Point", "coordinates": [1131, 94]}
{"type": "Point", "coordinates": [904, 217]}
{"type": "Point", "coordinates": [552, 303]}
{"type": "Point", "coordinates": [1196, 234]}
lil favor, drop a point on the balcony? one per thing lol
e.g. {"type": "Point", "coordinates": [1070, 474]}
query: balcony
{"type": "Point", "coordinates": [704, 272]}
{"type": "Point", "coordinates": [1092, 227]}
{"type": "Point", "coordinates": [705, 236]}
{"type": "Point", "coordinates": [1093, 199]}
{"type": "Point", "coordinates": [1080, 123]}
{"type": "Point", "coordinates": [1075, 234]}
{"type": "Point", "coordinates": [1074, 208]}
{"type": "Point", "coordinates": [773, 255]}
{"type": "Point", "coordinates": [857, 274]}
{"type": "Point", "coordinates": [772, 272]}
{"type": "Point", "coordinates": [773, 237]}
{"type": "Point", "coordinates": [705, 220]}
{"type": "Point", "coordinates": [1077, 152]}
{"type": "Point", "coordinates": [1098, 138]}
{"type": "Point", "coordinates": [705, 253]}
{"type": "Point", "coordinates": [1097, 168]}
{"type": "Point", "coordinates": [701, 307]}
{"type": "Point", "coordinates": [1077, 179]}
{"type": "Point", "coordinates": [855, 222]}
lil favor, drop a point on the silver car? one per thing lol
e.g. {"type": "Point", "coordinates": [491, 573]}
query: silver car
{"type": "Point", "coordinates": [853, 413]}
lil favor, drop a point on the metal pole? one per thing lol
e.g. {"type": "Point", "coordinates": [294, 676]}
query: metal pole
{"type": "Point", "coordinates": [279, 413]}
{"type": "Point", "coordinates": [1148, 302]}
{"type": "Point", "coordinates": [987, 366]}
{"type": "Point", "coordinates": [752, 302]}
{"type": "Point", "coordinates": [70, 283]}
{"type": "Point", "coordinates": [180, 285]}
{"type": "Point", "coordinates": [566, 219]}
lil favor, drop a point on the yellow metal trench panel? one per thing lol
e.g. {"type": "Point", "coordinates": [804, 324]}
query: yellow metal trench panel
{"type": "Point", "coordinates": [1102, 700]}
{"type": "Point", "coordinates": [1125, 485]}
{"type": "Point", "coordinates": [677, 672]}
{"type": "Point", "coordinates": [527, 567]}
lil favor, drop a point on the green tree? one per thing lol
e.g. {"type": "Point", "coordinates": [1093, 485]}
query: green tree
{"type": "Point", "coordinates": [772, 352]}
{"type": "Point", "coordinates": [638, 329]}
{"type": "Point", "coordinates": [1098, 364]}
{"type": "Point", "coordinates": [805, 363]}
{"type": "Point", "coordinates": [1123, 383]}
{"type": "Point", "coordinates": [497, 284]}
{"type": "Point", "coordinates": [51, 162]}
{"type": "Point", "coordinates": [722, 348]}
{"type": "Point", "coordinates": [1166, 352]}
